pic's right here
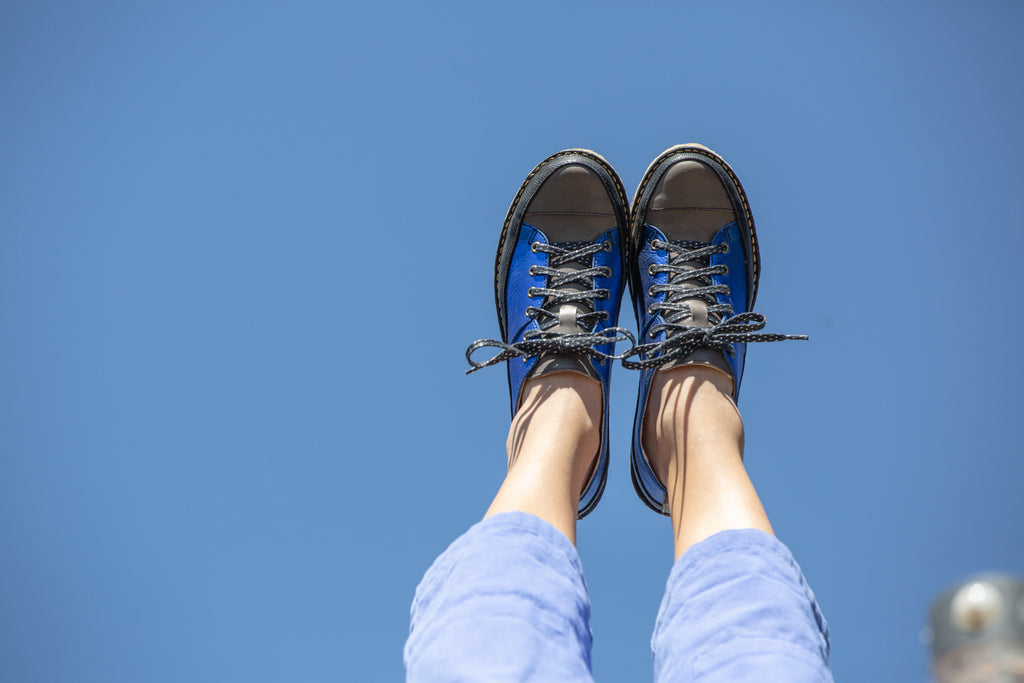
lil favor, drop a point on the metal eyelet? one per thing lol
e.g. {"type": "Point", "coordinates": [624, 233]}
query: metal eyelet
{"type": "Point", "coordinates": [607, 245]}
{"type": "Point", "coordinates": [607, 272]}
{"type": "Point", "coordinates": [531, 271]}
{"type": "Point", "coordinates": [726, 245]}
{"type": "Point", "coordinates": [650, 269]}
{"type": "Point", "coordinates": [535, 247]}
{"type": "Point", "coordinates": [655, 246]}
{"type": "Point", "coordinates": [726, 271]}
{"type": "Point", "coordinates": [531, 292]}
{"type": "Point", "coordinates": [728, 292]}
{"type": "Point", "coordinates": [649, 292]}
{"type": "Point", "coordinates": [650, 310]}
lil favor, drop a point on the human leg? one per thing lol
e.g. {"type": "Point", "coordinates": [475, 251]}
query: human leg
{"type": "Point", "coordinates": [507, 600]}
{"type": "Point", "coordinates": [694, 437]}
{"type": "Point", "coordinates": [737, 607]}
{"type": "Point", "coordinates": [551, 447]}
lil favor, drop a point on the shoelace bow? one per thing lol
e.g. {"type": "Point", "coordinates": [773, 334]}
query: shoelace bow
{"type": "Point", "coordinates": [681, 339]}
{"type": "Point", "coordinates": [545, 340]}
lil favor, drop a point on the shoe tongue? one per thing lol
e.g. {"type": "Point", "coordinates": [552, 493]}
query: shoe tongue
{"type": "Point", "coordinates": [547, 365]}
{"type": "Point", "coordinates": [566, 320]}
{"type": "Point", "coordinates": [567, 313]}
{"type": "Point", "coordinates": [689, 245]}
{"type": "Point", "coordinates": [699, 316]}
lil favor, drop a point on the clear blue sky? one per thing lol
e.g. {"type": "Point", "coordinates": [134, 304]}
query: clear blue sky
{"type": "Point", "coordinates": [244, 246]}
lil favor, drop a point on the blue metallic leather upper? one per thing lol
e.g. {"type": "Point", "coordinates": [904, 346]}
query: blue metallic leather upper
{"type": "Point", "coordinates": [735, 279]}
{"type": "Point", "coordinates": [517, 300]}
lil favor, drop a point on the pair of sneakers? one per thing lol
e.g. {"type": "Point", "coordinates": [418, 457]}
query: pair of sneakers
{"type": "Point", "coordinates": [570, 242]}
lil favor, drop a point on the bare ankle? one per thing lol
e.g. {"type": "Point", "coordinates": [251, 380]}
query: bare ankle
{"type": "Point", "coordinates": [691, 413]}
{"type": "Point", "coordinates": [559, 417]}
{"type": "Point", "coordinates": [552, 446]}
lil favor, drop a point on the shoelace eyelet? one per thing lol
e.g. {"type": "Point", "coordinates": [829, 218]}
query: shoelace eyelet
{"type": "Point", "coordinates": [535, 247]}
{"type": "Point", "coordinates": [607, 245]}
{"type": "Point", "coordinates": [650, 269]}
{"type": "Point", "coordinates": [531, 292]}
{"type": "Point", "coordinates": [726, 245]}
{"type": "Point", "coordinates": [531, 271]}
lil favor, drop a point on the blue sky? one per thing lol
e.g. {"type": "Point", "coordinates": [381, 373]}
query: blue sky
{"type": "Point", "coordinates": [244, 246]}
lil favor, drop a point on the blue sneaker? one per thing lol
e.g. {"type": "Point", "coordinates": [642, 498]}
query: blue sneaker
{"type": "Point", "coordinates": [558, 283]}
{"type": "Point", "coordinates": [694, 269]}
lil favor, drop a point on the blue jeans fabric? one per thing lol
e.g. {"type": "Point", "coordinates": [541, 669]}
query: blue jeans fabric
{"type": "Point", "coordinates": [507, 602]}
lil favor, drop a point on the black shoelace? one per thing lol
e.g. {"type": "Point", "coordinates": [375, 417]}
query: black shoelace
{"type": "Point", "coordinates": [683, 339]}
{"type": "Point", "coordinates": [546, 340]}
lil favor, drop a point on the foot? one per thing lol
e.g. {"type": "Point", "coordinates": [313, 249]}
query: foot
{"type": "Point", "coordinates": [558, 284]}
{"type": "Point", "coordinates": [693, 276]}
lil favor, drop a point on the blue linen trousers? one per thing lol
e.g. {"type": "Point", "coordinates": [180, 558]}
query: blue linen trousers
{"type": "Point", "coordinates": [507, 602]}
